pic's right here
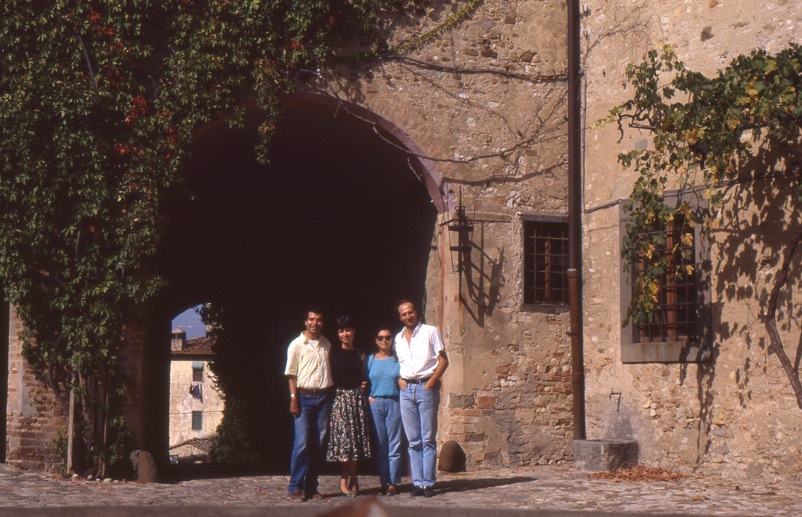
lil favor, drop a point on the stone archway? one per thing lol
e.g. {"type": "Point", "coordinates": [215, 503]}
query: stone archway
{"type": "Point", "coordinates": [343, 216]}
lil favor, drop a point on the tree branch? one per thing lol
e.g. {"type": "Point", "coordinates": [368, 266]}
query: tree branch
{"type": "Point", "coordinates": [776, 344]}
{"type": "Point", "coordinates": [536, 78]}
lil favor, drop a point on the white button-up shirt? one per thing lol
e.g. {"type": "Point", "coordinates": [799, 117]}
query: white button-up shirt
{"type": "Point", "coordinates": [418, 359]}
{"type": "Point", "coordinates": [308, 362]}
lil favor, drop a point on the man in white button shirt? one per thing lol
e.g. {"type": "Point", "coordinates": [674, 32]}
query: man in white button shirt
{"type": "Point", "coordinates": [423, 361]}
{"type": "Point", "coordinates": [309, 374]}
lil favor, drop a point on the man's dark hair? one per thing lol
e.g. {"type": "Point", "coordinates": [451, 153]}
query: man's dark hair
{"type": "Point", "coordinates": [402, 301]}
{"type": "Point", "coordinates": [313, 308]}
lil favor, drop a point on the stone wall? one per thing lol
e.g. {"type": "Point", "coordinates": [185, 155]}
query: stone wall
{"type": "Point", "coordinates": [734, 415]}
{"type": "Point", "coordinates": [36, 422]}
{"type": "Point", "coordinates": [33, 418]}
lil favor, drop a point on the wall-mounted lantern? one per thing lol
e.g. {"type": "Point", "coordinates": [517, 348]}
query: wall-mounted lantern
{"type": "Point", "coordinates": [463, 227]}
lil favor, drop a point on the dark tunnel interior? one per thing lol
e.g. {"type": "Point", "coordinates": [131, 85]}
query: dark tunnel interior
{"type": "Point", "coordinates": [337, 219]}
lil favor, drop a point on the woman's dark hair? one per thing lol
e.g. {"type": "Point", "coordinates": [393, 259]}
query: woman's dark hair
{"type": "Point", "coordinates": [344, 322]}
{"type": "Point", "coordinates": [388, 329]}
{"type": "Point", "coordinates": [384, 327]}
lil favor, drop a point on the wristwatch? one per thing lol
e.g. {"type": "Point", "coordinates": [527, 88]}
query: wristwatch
{"type": "Point", "coordinates": [292, 395]}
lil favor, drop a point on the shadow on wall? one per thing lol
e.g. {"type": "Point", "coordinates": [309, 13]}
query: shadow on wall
{"type": "Point", "coordinates": [757, 226]}
{"type": "Point", "coordinates": [482, 278]}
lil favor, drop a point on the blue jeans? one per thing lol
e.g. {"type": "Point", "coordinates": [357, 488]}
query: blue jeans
{"type": "Point", "coordinates": [310, 435]}
{"type": "Point", "coordinates": [387, 424]}
{"type": "Point", "coordinates": [419, 413]}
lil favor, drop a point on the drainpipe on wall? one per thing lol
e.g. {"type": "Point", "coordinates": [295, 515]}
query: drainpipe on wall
{"type": "Point", "coordinates": [575, 221]}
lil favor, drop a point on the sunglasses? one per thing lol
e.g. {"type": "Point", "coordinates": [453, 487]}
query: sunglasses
{"type": "Point", "coordinates": [384, 338]}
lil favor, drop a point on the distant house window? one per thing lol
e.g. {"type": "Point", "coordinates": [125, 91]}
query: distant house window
{"type": "Point", "coordinates": [197, 372]}
{"type": "Point", "coordinates": [546, 261]}
{"type": "Point", "coordinates": [676, 318]}
{"type": "Point", "coordinates": [197, 420]}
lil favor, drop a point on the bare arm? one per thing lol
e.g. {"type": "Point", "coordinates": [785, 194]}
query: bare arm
{"type": "Point", "coordinates": [294, 408]}
{"type": "Point", "coordinates": [442, 364]}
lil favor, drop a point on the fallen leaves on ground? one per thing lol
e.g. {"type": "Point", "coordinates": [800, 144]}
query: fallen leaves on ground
{"type": "Point", "coordinates": [640, 473]}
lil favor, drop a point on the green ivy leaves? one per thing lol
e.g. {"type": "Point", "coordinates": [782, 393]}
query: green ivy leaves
{"type": "Point", "coordinates": [704, 131]}
{"type": "Point", "coordinates": [98, 104]}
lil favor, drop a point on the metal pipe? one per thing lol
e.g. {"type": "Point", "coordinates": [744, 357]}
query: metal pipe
{"type": "Point", "coordinates": [575, 220]}
{"type": "Point", "coordinates": [577, 356]}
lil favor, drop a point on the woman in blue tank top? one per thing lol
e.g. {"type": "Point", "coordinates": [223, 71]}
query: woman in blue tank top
{"type": "Point", "coordinates": [383, 374]}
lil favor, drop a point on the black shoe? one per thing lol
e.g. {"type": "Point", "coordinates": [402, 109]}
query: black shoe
{"type": "Point", "coordinates": [428, 491]}
{"type": "Point", "coordinates": [416, 491]}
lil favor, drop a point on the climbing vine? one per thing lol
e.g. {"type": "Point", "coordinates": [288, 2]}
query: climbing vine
{"type": "Point", "coordinates": [98, 104]}
{"type": "Point", "coordinates": [740, 127]}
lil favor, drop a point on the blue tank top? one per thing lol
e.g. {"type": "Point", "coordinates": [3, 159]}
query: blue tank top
{"type": "Point", "coordinates": [383, 375]}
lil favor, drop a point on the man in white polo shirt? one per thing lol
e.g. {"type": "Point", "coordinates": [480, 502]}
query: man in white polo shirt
{"type": "Point", "coordinates": [423, 361]}
{"type": "Point", "coordinates": [309, 374]}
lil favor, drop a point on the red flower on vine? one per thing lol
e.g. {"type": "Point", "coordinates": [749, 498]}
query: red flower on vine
{"type": "Point", "coordinates": [122, 149]}
{"type": "Point", "coordinates": [138, 107]}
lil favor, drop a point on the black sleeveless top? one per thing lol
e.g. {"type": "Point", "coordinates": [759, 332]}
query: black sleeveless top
{"type": "Point", "coordinates": [347, 368]}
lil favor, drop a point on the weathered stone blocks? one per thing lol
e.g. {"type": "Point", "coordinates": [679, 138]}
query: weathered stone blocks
{"type": "Point", "coordinates": [604, 455]}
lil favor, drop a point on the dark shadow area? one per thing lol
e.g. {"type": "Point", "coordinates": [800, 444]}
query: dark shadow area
{"type": "Point", "coordinates": [336, 219]}
{"type": "Point", "coordinates": [173, 473]}
{"type": "Point", "coordinates": [467, 485]}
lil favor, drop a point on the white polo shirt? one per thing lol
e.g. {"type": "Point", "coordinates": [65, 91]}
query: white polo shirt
{"type": "Point", "coordinates": [308, 362]}
{"type": "Point", "coordinates": [418, 359]}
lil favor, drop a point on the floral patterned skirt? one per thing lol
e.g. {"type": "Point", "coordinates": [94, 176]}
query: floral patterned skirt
{"type": "Point", "coordinates": [349, 435]}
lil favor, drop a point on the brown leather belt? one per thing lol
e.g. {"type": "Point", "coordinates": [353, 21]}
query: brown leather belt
{"type": "Point", "coordinates": [417, 381]}
{"type": "Point", "coordinates": [313, 393]}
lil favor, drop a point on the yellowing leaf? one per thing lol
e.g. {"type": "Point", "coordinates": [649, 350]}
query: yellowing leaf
{"type": "Point", "coordinates": [653, 290]}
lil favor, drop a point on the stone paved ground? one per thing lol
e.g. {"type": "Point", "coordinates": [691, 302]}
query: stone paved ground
{"type": "Point", "coordinates": [542, 491]}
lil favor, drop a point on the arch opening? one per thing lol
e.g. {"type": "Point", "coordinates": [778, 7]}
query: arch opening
{"type": "Point", "coordinates": [338, 218]}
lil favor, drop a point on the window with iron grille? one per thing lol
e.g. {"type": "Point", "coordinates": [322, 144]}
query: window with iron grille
{"type": "Point", "coordinates": [546, 262]}
{"type": "Point", "coordinates": [676, 318]}
{"type": "Point", "coordinates": [197, 420]}
{"type": "Point", "coordinates": [682, 328]}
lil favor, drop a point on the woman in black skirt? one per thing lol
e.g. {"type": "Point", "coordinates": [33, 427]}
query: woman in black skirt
{"type": "Point", "coordinates": [348, 432]}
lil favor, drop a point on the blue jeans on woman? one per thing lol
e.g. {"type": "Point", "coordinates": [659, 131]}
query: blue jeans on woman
{"type": "Point", "coordinates": [310, 436]}
{"type": "Point", "coordinates": [419, 408]}
{"type": "Point", "coordinates": [387, 424]}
